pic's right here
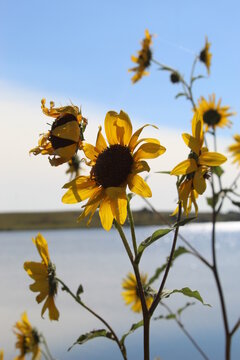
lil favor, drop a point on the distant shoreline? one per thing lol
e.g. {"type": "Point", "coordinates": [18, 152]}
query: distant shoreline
{"type": "Point", "coordinates": [68, 219]}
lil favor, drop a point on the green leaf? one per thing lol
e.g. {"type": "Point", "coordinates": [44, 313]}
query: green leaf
{"type": "Point", "coordinates": [184, 221]}
{"type": "Point", "coordinates": [179, 251]}
{"type": "Point", "coordinates": [180, 310]}
{"type": "Point", "coordinates": [133, 328]}
{"type": "Point", "coordinates": [79, 291]}
{"type": "Point", "coordinates": [151, 239]}
{"type": "Point", "coordinates": [179, 95]}
{"type": "Point", "coordinates": [236, 203]}
{"type": "Point", "coordinates": [217, 170]}
{"type": "Point", "coordinates": [197, 77]}
{"type": "Point", "coordinates": [210, 200]}
{"type": "Point", "coordinates": [163, 172]}
{"type": "Point", "coordinates": [185, 291]}
{"type": "Point", "coordinates": [92, 335]}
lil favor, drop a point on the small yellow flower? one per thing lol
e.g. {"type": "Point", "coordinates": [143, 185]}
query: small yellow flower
{"type": "Point", "coordinates": [213, 114]}
{"type": "Point", "coordinates": [63, 140]}
{"type": "Point", "coordinates": [235, 149]}
{"type": "Point", "coordinates": [197, 167]}
{"type": "Point", "coordinates": [1, 354]}
{"type": "Point", "coordinates": [143, 59]}
{"type": "Point", "coordinates": [113, 168]}
{"type": "Point", "coordinates": [44, 275]}
{"type": "Point", "coordinates": [205, 56]}
{"type": "Point", "coordinates": [27, 339]}
{"type": "Point", "coordinates": [73, 167]}
{"type": "Point", "coordinates": [131, 293]}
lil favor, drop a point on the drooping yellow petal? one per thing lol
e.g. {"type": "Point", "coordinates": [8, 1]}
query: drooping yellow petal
{"type": "Point", "coordinates": [66, 152]}
{"type": "Point", "coordinates": [134, 139]}
{"type": "Point", "coordinates": [184, 191]}
{"type": "Point", "coordinates": [70, 131]}
{"type": "Point", "coordinates": [78, 193]}
{"type": "Point", "coordinates": [185, 167]}
{"type": "Point", "coordinates": [35, 270]}
{"type": "Point", "coordinates": [140, 166]}
{"type": "Point", "coordinates": [42, 246]}
{"type": "Point", "coordinates": [118, 128]}
{"type": "Point", "coordinates": [199, 183]}
{"type": "Point", "coordinates": [137, 185]}
{"type": "Point", "coordinates": [118, 202]}
{"type": "Point", "coordinates": [211, 159]}
{"type": "Point", "coordinates": [53, 312]}
{"type": "Point", "coordinates": [105, 213]}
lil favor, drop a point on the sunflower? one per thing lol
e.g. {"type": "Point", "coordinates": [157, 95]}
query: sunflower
{"type": "Point", "coordinates": [28, 339]}
{"type": "Point", "coordinates": [213, 114]}
{"type": "Point", "coordinates": [235, 149]}
{"type": "Point", "coordinates": [196, 169]}
{"type": "Point", "coordinates": [113, 167]}
{"type": "Point", "coordinates": [1, 354]}
{"type": "Point", "coordinates": [63, 140]}
{"type": "Point", "coordinates": [143, 59]}
{"type": "Point", "coordinates": [131, 293]}
{"type": "Point", "coordinates": [205, 56]}
{"type": "Point", "coordinates": [73, 167]}
{"type": "Point", "coordinates": [44, 275]}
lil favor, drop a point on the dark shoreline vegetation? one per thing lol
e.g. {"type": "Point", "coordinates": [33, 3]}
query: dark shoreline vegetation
{"type": "Point", "coordinates": [68, 219]}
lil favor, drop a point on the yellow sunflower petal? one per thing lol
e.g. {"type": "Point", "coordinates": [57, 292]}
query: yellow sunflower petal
{"type": "Point", "coordinates": [211, 159]}
{"type": "Point", "coordinates": [90, 151]}
{"type": "Point", "coordinates": [52, 310]}
{"type": "Point", "coordinates": [105, 213]}
{"type": "Point", "coordinates": [42, 246]}
{"type": "Point", "coordinates": [199, 183]}
{"type": "Point", "coordinates": [118, 203]}
{"type": "Point", "coordinates": [70, 131]}
{"type": "Point", "coordinates": [197, 127]}
{"type": "Point", "coordinates": [118, 128]}
{"type": "Point", "coordinates": [134, 139]}
{"type": "Point", "coordinates": [66, 152]}
{"type": "Point", "coordinates": [140, 166]}
{"type": "Point", "coordinates": [137, 185]}
{"type": "Point", "coordinates": [192, 143]}
{"type": "Point", "coordinates": [185, 167]}
{"type": "Point", "coordinates": [101, 144]}
{"type": "Point", "coordinates": [35, 269]}
{"type": "Point", "coordinates": [80, 192]}
{"type": "Point", "coordinates": [149, 150]}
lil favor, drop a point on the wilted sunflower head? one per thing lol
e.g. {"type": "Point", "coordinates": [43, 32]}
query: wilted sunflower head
{"type": "Point", "coordinates": [63, 140]}
{"type": "Point", "coordinates": [114, 166]}
{"type": "Point", "coordinates": [143, 59]}
{"type": "Point", "coordinates": [235, 149]}
{"type": "Point", "coordinates": [44, 274]}
{"type": "Point", "coordinates": [213, 114]}
{"type": "Point", "coordinates": [196, 169]}
{"type": "Point", "coordinates": [131, 292]}
{"type": "Point", "coordinates": [205, 56]}
{"type": "Point", "coordinates": [28, 339]}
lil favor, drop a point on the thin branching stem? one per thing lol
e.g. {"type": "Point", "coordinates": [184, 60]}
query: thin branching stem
{"type": "Point", "coordinates": [169, 263]}
{"type": "Point", "coordinates": [79, 301]}
{"type": "Point", "coordinates": [44, 342]}
{"type": "Point", "coordinates": [131, 221]}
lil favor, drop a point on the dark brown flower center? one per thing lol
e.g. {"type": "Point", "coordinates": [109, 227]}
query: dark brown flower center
{"type": "Point", "coordinates": [203, 56]}
{"type": "Point", "coordinates": [145, 58]}
{"type": "Point", "coordinates": [211, 117]}
{"type": "Point", "coordinates": [53, 284]}
{"type": "Point", "coordinates": [113, 166]}
{"type": "Point", "coordinates": [56, 141]}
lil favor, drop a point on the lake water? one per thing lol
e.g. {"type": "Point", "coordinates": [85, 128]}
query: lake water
{"type": "Point", "coordinates": [97, 260]}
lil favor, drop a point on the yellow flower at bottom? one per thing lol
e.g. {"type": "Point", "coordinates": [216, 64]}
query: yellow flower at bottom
{"type": "Point", "coordinates": [27, 339]}
{"type": "Point", "coordinates": [44, 275]}
{"type": "Point", "coordinates": [143, 59]}
{"type": "Point", "coordinates": [131, 293]}
{"type": "Point", "coordinates": [235, 149]}
{"type": "Point", "coordinates": [113, 168]}
{"type": "Point", "coordinates": [1, 354]}
{"type": "Point", "coordinates": [64, 139]}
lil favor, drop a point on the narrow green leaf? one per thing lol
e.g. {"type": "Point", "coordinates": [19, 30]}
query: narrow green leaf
{"type": "Point", "coordinates": [184, 221]}
{"type": "Point", "coordinates": [170, 316]}
{"type": "Point", "coordinates": [188, 304]}
{"type": "Point", "coordinates": [185, 291]}
{"type": "Point", "coordinates": [151, 239]}
{"type": "Point", "coordinates": [217, 170]}
{"type": "Point", "coordinates": [236, 203]}
{"type": "Point", "coordinates": [197, 78]}
{"type": "Point", "coordinates": [133, 328]}
{"type": "Point", "coordinates": [79, 291]}
{"type": "Point", "coordinates": [92, 335]}
{"type": "Point", "coordinates": [179, 95]}
{"type": "Point", "coordinates": [179, 251]}
{"type": "Point", "coordinates": [210, 200]}
{"type": "Point", "coordinates": [163, 172]}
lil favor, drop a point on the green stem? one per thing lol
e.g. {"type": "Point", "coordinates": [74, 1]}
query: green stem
{"type": "Point", "coordinates": [170, 259]}
{"type": "Point", "coordinates": [145, 312]}
{"type": "Point", "coordinates": [130, 217]}
{"type": "Point", "coordinates": [43, 340]}
{"type": "Point", "coordinates": [78, 300]}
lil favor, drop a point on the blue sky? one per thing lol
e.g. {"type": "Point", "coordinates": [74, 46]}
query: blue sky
{"type": "Point", "coordinates": [80, 51]}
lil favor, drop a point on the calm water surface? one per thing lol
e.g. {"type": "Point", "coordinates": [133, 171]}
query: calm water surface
{"type": "Point", "coordinates": [97, 260]}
